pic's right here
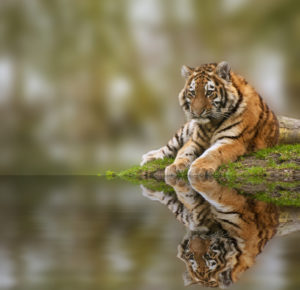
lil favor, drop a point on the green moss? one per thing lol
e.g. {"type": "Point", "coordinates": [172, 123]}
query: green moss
{"type": "Point", "coordinates": [281, 198]}
{"type": "Point", "coordinates": [183, 174]}
{"type": "Point", "coordinates": [246, 167]}
{"type": "Point", "coordinates": [150, 167]}
{"type": "Point", "coordinates": [255, 171]}
{"type": "Point", "coordinates": [247, 174]}
{"type": "Point", "coordinates": [109, 174]}
{"type": "Point", "coordinates": [136, 175]}
{"type": "Point", "coordinates": [286, 152]}
{"type": "Point", "coordinates": [270, 160]}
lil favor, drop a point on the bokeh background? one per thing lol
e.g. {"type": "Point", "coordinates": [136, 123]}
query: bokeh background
{"type": "Point", "coordinates": [90, 85]}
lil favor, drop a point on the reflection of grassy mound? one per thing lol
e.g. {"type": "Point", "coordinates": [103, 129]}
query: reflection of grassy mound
{"type": "Point", "coordinates": [280, 193]}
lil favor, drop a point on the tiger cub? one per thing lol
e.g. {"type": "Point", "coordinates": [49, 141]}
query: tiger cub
{"type": "Point", "coordinates": [226, 230]}
{"type": "Point", "coordinates": [226, 119]}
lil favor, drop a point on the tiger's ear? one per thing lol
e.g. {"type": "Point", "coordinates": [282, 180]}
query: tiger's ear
{"type": "Point", "coordinates": [186, 71]}
{"type": "Point", "coordinates": [223, 70]}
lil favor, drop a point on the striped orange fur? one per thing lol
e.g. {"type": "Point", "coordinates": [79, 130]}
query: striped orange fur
{"type": "Point", "coordinates": [226, 119]}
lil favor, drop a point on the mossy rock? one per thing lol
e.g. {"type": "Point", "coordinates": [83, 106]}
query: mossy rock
{"type": "Point", "coordinates": [280, 162]}
{"type": "Point", "coordinates": [271, 175]}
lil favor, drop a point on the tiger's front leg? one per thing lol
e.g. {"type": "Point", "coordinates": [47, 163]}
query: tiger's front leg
{"type": "Point", "coordinates": [186, 155]}
{"type": "Point", "coordinates": [216, 155]}
{"type": "Point", "coordinates": [172, 147]}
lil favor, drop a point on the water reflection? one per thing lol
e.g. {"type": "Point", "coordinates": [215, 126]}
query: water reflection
{"type": "Point", "coordinates": [226, 230]}
{"type": "Point", "coordinates": [88, 233]}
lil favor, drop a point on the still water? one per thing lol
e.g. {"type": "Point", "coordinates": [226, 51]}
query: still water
{"type": "Point", "coordinates": [89, 233]}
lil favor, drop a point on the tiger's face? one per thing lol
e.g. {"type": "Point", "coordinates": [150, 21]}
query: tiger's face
{"type": "Point", "coordinates": [207, 92]}
{"type": "Point", "coordinates": [209, 260]}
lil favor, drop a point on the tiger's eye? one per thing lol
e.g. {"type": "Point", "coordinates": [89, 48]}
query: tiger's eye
{"type": "Point", "coordinates": [209, 92]}
{"type": "Point", "coordinates": [209, 88]}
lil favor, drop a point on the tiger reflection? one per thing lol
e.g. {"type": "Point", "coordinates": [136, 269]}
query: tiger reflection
{"type": "Point", "coordinates": [226, 230]}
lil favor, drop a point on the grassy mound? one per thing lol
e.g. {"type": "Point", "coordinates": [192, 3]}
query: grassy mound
{"type": "Point", "coordinates": [271, 175]}
{"type": "Point", "coordinates": [282, 161]}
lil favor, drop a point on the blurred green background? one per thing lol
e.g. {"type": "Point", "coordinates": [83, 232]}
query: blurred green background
{"type": "Point", "coordinates": [89, 85]}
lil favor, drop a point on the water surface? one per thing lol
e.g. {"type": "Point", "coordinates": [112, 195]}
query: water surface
{"type": "Point", "coordinates": [88, 233]}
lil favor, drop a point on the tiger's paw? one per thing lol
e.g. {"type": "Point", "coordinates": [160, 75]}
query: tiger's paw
{"type": "Point", "coordinates": [152, 155]}
{"type": "Point", "coordinates": [176, 167]}
{"type": "Point", "coordinates": [174, 181]}
{"type": "Point", "coordinates": [152, 194]}
{"type": "Point", "coordinates": [202, 170]}
{"type": "Point", "coordinates": [203, 183]}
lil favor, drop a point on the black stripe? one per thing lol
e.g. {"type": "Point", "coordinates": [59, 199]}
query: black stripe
{"type": "Point", "coordinates": [232, 137]}
{"type": "Point", "coordinates": [231, 223]}
{"type": "Point", "coordinates": [203, 131]}
{"type": "Point", "coordinates": [177, 138]}
{"type": "Point", "coordinates": [235, 108]}
{"type": "Point", "coordinates": [234, 241]}
{"type": "Point", "coordinates": [261, 244]}
{"type": "Point", "coordinates": [233, 212]}
{"type": "Point", "coordinates": [221, 122]}
{"type": "Point", "coordinates": [263, 122]}
{"type": "Point", "coordinates": [179, 209]}
{"type": "Point", "coordinates": [185, 104]}
{"type": "Point", "coordinates": [199, 136]}
{"type": "Point", "coordinates": [197, 152]}
{"type": "Point", "coordinates": [187, 130]}
{"type": "Point", "coordinates": [172, 149]}
{"type": "Point", "coordinates": [228, 127]}
{"type": "Point", "coordinates": [256, 126]}
{"type": "Point", "coordinates": [261, 103]}
{"type": "Point", "coordinates": [181, 137]}
{"type": "Point", "coordinates": [169, 202]}
{"type": "Point", "coordinates": [222, 93]}
{"type": "Point", "coordinates": [202, 212]}
{"type": "Point", "coordinates": [228, 212]}
{"type": "Point", "coordinates": [240, 99]}
{"type": "Point", "coordinates": [201, 200]}
{"type": "Point", "coordinates": [199, 145]}
{"type": "Point", "coordinates": [226, 98]}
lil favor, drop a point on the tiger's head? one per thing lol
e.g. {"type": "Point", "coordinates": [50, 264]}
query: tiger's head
{"type": "Point", "coordinates": [208, 93]}
{"type": "Point", "coordinates": [211, 261]}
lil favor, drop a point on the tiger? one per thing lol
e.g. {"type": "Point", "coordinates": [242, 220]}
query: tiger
{"type": "Point", "coordinates": [226, 230]}
{"type": "Point", "coordinates": [226, 118]}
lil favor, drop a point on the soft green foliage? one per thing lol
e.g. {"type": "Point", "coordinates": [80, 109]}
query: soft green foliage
{"type": "Point", "coordinates": [283, 154]}
{"type": "Point", "coordinates": [287, 152]}
{"type": "Point", "coordinates": [135, 175]}
{"type": "Point", "coordinates": [283, 198]}
{"type": "Point", "coordinates": [150, 167]}
{"type": "Point", "coordinates": [110, 174]}
{"type": "Point", "coordinates": [273, 159]}
{"type": "Point", "coordinates": [250, 170]}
